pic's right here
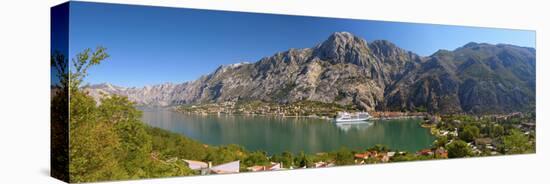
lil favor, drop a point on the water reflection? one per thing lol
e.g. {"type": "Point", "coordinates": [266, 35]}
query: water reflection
{"type": "Point", "coordinates": [360, 125]}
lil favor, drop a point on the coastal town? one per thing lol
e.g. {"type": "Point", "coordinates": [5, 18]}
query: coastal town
{"type": "Point", "coordinates": [298, 109]}
{"type": "Point", "coordinates": [311, 109]}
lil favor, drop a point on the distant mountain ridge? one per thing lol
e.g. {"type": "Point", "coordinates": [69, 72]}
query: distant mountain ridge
{"type": "Point", "coordinates": [345, 69]}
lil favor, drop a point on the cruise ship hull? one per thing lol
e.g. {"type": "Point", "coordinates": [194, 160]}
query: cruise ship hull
{"type": "Point", "coordinates": [351, 121]}
{"type": "Point", "coordinates": [352, 117]}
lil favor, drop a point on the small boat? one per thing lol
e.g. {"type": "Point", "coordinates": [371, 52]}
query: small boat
{"type": "Point", "coordinates": [345, 117]}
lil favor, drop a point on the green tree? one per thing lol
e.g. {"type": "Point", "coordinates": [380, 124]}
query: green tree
{"type": "Point", "coordinates": [459, 149]}
{"type": "Point", "coordinates": [286, 158]}
{"type": "Point", "coordinates": [59, 63]}
{"type": "Point", "coordinates": [170, 144]}
{"type": "Point", "coordinates": [469, 133]}
{"type": "Point", "coordinates": [83, 61]}
{"type": "Point", "coordinates": [516, 143]}
{"type": "Point", "coordinates": [108, 141]}
{"type": "Point", "coordinates": [379, 148]}
{"type": "Point", "coordinates": [220, 155]}
{"type": "Point", "coordinates": [344, 156]}
{"type": "Point", "coordinates": [497, 131]}
{"type": "Point", "coordinates": [256, 158]}
{"type": "Point", "coordinates": [59, 117]}
{"type": "Point", "coordinates": [135, 143]}
{"type": "Point", "coordinates": [303, 160]}
{"type": "Point", "coordinates": [159, 168]}
{"type": "Point", "coordinates": [93, 143]}
{"type": "Point", "coordinates": [441, 141]}
{"type": "Point", "coordinates": [403, 157]}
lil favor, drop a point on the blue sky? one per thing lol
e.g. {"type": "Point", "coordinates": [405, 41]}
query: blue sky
{"type": "Point", "coordinates": [152, 45]}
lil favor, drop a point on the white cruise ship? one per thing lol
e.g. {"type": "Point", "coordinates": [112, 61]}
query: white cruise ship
{"type": "Point", "coordinates": [352, 117]}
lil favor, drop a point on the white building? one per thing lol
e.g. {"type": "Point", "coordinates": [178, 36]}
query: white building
{"type": "Point", "coordinates": [230, 167]}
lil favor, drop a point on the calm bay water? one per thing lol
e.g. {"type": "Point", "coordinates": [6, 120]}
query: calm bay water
{"type": "Point", "coordinates": [277, 134]}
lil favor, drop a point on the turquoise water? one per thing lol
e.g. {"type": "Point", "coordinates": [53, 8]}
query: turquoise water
{"type": "Point", "coordinates": [277, 134]}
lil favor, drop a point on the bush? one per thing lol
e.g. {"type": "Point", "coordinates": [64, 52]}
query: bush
{"type": "Point", "coordinates": [517, 143]}
{"type": "Point", "coordinates": [469, 133]}
{"type": "Point", "coordinates": [459, 149]}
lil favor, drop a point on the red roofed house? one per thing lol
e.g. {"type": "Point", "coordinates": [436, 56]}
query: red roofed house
{"type": "Point", "coordinates": [425, 152]}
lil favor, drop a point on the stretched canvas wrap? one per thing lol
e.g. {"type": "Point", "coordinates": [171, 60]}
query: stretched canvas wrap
{"type": "Point", "coordinates": [147, 92]}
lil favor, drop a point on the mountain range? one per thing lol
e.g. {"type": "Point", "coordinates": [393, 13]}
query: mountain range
{"type": "Point", "coordinates": [377, 76]}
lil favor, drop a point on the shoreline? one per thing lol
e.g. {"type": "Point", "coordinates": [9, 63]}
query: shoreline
{"type": "Point", "coordinates": [392, 117]}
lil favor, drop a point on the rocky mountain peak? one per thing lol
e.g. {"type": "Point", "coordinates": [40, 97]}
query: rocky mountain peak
{"type": "Point", "coordinates": [474, 46]}
{"type": "Point", "coordinates": [341, 37]}
{"type": "Point", "coordinates": [104, 85]}
{"type": "Point", "coordinates": [343, 40]}
{"type": "Point", "coordinates": [344, 69]}
{"type": "Point", "coordinates": [470, 44]}
{"type": "Point", "coordinates": [343, 47]}
{"type": "Point", "coordinates": [385, 48]}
